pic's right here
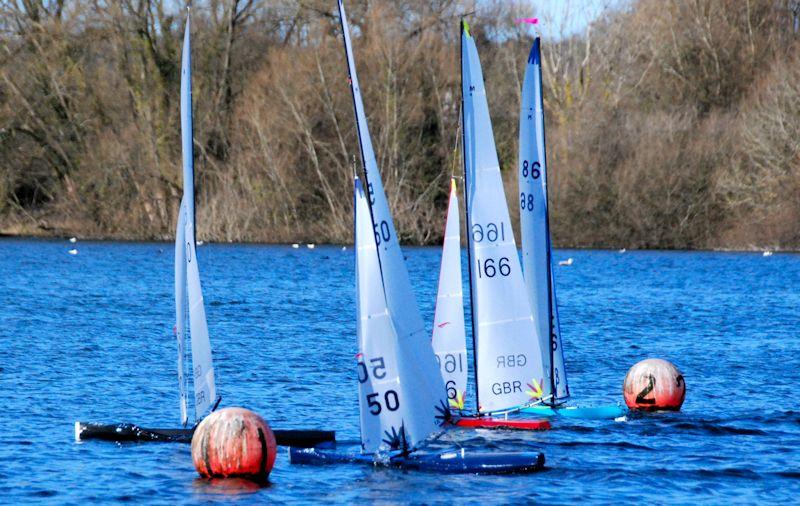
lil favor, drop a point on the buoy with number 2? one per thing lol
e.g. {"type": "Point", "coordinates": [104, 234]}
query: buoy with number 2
{"type": "Point", "coordinates": [654, 385]}
{"type": "Point", "coordinates": [234, 442]}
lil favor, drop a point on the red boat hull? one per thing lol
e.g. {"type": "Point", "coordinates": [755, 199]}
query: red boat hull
{"type": "Point", "coordinates": [485, 422]}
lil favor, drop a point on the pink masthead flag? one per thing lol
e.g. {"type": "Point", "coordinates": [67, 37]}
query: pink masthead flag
{"type": "Point", "coordinates": [531, 21]}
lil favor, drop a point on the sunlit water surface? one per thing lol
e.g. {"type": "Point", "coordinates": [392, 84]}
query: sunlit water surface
{"type": "Point", "coordinates": [89, 337]}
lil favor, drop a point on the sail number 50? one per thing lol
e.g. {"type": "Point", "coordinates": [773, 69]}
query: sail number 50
{"type": "Point", "coordinates": [489, 268]}
{"type": "Point", "coordinates": [378, 364]}
{"type": "Point", "coordinates": [390, 400]}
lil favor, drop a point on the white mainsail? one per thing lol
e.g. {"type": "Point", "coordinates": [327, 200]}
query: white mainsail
{"type": "Point", "coordinates": [505, 337]}
{"type": "Point", "coordinates": [535, 228]}
{"type": "Point", "coordinates": [187, 273]}
{"type": "Point", "coordinates": [416, 361]}
{"type": "Point", "coordinates": [449, 336]}
{"type": "Point", "coordinates": [381, 396]}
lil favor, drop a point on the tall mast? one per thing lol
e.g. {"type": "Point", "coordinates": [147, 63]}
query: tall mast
{"type": "Point", "coordinates": [353, 79]}
{"type": "Point", "coordinates": [465, 28]}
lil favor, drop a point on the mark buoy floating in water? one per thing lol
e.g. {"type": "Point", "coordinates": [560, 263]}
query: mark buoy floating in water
{"type": "Point", "coordinates": [295, 245]}
{"type": "Point", "coordinates": [73, 240]}
{"type": "Point", "coordinates": [73, 251]}
{"type": "Point", "coordinates": [654, 385]}
{"type": "Point", "coordinates": [568, 261]}
{"type": "Point", "coordinates": [234, 442]}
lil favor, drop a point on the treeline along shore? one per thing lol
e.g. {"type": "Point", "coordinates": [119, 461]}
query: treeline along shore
{"type": "Point", "coordinates": [670, 123]}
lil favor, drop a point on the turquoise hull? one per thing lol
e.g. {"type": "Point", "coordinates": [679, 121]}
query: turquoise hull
{"type": "Point", "coordinates": [608, 412]}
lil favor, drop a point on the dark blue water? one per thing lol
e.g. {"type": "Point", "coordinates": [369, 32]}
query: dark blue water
{"type": "Point", "coordinates": [89, 337]}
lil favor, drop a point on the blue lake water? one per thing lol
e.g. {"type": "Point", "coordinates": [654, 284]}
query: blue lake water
{"type": "Point", "coordinates": [89, 337]}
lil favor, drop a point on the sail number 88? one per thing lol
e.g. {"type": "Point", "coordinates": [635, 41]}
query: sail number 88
{"type": "Point", "coordinates": [489, 268]}
{"type": "Point", "coordinates": [526, 201]}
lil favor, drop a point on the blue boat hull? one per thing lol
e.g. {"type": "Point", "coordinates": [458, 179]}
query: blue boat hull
{"type": "Point", "coordinates": [444, 462]}
{"type": "Point", "coordinates": [608, 412]}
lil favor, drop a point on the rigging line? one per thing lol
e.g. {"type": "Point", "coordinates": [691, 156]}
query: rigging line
{"type": "Point", "coordinates": [455, 146]}
{"type": "Point", "coordinates": [549, 280]}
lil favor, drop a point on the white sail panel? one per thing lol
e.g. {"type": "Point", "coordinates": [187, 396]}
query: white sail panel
{"type": "Point", "coordinates": [449, 336]}
{"type": "Point", "coordinates": [423, 376]}
{"type": "Point", "coordinates": [202, 367]}
{"type": "Point", "coordinates": [180, 309]}
{"type": "Point", "coordinates": [380, 396]}
{"type": "Point", "coordinates": [535, 229]}
{"type": "Point", "coordinates": [202, 370]}
{"type": "Point", "coordinates": [507, 348]}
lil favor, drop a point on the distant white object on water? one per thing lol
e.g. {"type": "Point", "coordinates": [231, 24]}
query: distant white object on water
{"type": "Point", "coordinates": [310, 246]}
{"type": "Point", "coordinates": [295, 245]}
{"type": "Point", "coordinates": [200, 243]}
{"type": "Point", "coordinates": [73, 251]}
{"type": "Point", "coordinates": [767, 253]}
{"type": "Point", "coordinates": [623, 250]}
{"type": "Point", "coordinates": [568, 261]}
{"type": "Point", "coordinates": [621, 419]}
{"type": "Point", "coordinates": [344, 248]}
{"type": "Point", "coordinates": [73, 240]}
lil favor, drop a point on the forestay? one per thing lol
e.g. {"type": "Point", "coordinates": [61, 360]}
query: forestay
{"type": "Point", "coordinates": [535, 228]}
{"type": "Point", "coordinates": [423, 377]}
{"type": "Point", "coordinates": [187, 273]}
{"type": "Point", "coordinates": [506, 344]}
{"type": "Point", "coordinates": [449, 338]}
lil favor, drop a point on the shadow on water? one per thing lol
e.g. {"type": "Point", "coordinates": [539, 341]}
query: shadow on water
{"type": "Point", "coordinates": [228, 486]}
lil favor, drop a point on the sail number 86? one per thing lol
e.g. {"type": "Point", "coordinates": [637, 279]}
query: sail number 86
{"type": "Point", "coordinates": [534, 170]}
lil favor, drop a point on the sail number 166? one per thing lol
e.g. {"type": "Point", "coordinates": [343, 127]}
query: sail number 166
{"type": "Point", "coordinates": [490, 268]}
{"type": "Point", "coordinates": [490, 232]}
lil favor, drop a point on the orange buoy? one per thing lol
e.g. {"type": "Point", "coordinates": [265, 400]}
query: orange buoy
{"type": "Point", "coordinates": [233, 442]}
{"type": "Point", "coordinates": [653, 385]}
